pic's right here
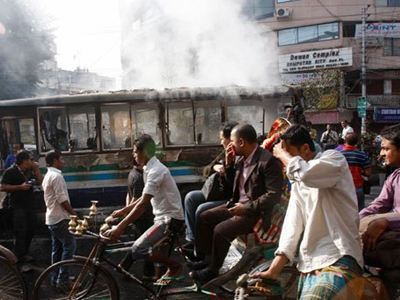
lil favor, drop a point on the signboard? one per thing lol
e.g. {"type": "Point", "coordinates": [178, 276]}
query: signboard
{"type": "Point", "coordinates": [389, 30]}
{"type": "Point", "coordinates": [315, 60]}
{"type": "Point", "coordinates": [362, 107]}
{"type": "Point", "coordinates": [323, 117]}
{"type": "Point", "coordinates": [298, 78]}
{"type": "Point", "coordinates": [390, 115]}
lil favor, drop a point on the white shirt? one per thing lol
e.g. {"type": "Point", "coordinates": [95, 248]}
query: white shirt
{"type": "Point", "coordinates": [322, 206]}
{"type": "Point", "coordinates": [55, 192]}
{"type": "Point", "coordinates": [346, 131]}
{"type": "Point", "coordinates": [158, 182]}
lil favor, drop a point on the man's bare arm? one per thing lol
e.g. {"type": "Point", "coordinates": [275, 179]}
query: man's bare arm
{"type": "Point", "coordinates": [11, 188]}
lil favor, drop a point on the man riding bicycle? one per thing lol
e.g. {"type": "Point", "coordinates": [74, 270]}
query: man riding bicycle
{"type": "Point", "coordinates": [161, 191]}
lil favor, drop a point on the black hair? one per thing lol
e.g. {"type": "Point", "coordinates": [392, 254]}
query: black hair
{"type": "Point", "coordinates": [298, 135]}
{"type": "Point", "coordinates": [52, 156]}
{"type": "Point", "coordinates": [22, 156]}
{"type": "Point", "coordinates": [351, 139]}
{"type": "Point", "coordinates": [145, 144]}
{"type": "Point", "coordinates": [246, 132]}
{"type": "Point", "coordinates": [227, 129]}
{"type": "Point", "coordinates": [392, 134]}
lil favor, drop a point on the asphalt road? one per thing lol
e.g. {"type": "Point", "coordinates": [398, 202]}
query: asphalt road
{"type": "Point", "coordinates": [41, 251]}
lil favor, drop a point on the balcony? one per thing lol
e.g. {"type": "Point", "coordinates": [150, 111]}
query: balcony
{"type": "Point", "coordinates": [373, 100]}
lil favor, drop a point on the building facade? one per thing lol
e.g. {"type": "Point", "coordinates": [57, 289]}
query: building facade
{"type": "Point", "coordinates": [319, 35]}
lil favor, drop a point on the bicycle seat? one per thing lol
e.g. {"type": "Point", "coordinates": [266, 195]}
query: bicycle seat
{"type": "Point", "coordinates": [7, 254]}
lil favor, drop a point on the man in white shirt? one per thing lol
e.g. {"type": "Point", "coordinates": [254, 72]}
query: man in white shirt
{"type": "Point", "coordinates": [321, 219]}
{"type": "Point", "coordinates": [161, 191]}
{"type": "Point", "coordinates": [346, 129]}
{"type": "Point", "coordinates": [58, 210]}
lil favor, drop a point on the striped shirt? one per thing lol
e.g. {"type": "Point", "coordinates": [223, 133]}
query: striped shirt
{"type": "Point", "coordinates": [358, 161]}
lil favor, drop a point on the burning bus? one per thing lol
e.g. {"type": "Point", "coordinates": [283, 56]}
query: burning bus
{"type": "Point", "coordinates": [95, 132]}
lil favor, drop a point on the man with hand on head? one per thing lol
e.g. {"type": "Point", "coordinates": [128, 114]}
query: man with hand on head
{"type": "Point", "coordinates": [321, 221]}
{"type": "Point", "coordinates": [257, 186]}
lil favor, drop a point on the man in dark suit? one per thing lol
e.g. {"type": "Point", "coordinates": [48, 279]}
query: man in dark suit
{"type": "Point", "coordinates": [257, 179]}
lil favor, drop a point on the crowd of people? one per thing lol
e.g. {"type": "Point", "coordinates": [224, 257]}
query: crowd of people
{"type": "Point", "coordinates": [321, 227]}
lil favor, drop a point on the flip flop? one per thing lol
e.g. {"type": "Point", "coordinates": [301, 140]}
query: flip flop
{"type": "Point", "coordinates": [166, 280]}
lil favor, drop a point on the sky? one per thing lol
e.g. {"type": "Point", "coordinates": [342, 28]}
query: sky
{"type": "Point", "coordinates": [87, 33]}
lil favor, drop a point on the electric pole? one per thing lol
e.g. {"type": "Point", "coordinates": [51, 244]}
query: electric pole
{"type": "Point", "coordinates": [363, 67]}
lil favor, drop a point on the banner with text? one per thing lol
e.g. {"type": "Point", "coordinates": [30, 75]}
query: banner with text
{"type": "Point", "coordinates": [389, 30]}
{"type": "Point", "coordinates": [315, 60]}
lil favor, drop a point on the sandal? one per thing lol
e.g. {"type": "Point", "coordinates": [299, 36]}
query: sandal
{"type": "Point", "coordinates": [166, 280]}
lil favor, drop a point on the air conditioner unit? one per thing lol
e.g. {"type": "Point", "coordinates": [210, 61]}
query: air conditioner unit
{"type": "Point", "coordinates": [282, 13]}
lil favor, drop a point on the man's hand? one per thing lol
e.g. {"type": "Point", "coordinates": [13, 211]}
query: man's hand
{"type": "Point", "coordinates": [219, 168]}
{"type": "Point", "coordinates": [374, 231]}
{"type": "Point", "coordinates": [119, 213]}
{"type": "Point", "coordinates": [238, 209]}
{"type": "Point", "coordinates": [35, 166]}
{"type": "Point", "coordinates": [265, 275]}
{"type": "Point", "coordinates": [114, 233]}
{"type": "Point", "coordinates": [230, 154]}
{"type": "Point", "coordinates": [25, 186]}
{"type": "Point", "coordinates": [280, 153]}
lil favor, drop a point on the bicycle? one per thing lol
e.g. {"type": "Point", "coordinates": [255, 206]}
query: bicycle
{"type": "Point", "coordinates": [92, 280]}
{"type": "Point", "coordinates": [12, 284]}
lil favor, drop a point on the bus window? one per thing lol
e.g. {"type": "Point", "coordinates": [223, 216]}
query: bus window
{"type": "Point", "coordinates": [179, 118]}
{"type": "Point", "coordinates": [116, 126]}
{"type": "Point", "coordinates": [208, 122]}
{"type": "Point", "coordinates": [250, 114]}
{"type": "Point", "coordinates": [145, 121]}
{"type": "Point", "coordinates": [16, 131]}
{"type": "Point", "coordinates": [82, 124]}
{"type": "Point", "coordinates": [53, 129]}
{"type": "Point", "coordinates": [27, 134]}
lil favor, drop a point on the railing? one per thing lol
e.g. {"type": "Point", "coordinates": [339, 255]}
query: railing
{"type": "Point", "coordinates": [373, 100]}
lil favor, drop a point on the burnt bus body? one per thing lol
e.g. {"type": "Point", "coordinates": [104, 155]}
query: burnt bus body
{"type": "Point", "coordinates": [95, 132]}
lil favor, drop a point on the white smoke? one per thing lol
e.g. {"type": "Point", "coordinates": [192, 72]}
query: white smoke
{"type": "Point", "coordinates": [175, 43]}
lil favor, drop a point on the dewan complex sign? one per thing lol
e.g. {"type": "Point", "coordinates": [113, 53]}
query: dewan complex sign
{"type": "Point", "coordinates": [315, 60]}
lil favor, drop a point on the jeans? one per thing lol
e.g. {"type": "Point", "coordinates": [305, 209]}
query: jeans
{"type": "Point", "coordinates": [63, 247]}
{"type": "Point", "coordinates": [24, 224]}
{"type": "Point", "coordinates": [360, 198]}
{"type": "Point", "coordinates": [195, 204]}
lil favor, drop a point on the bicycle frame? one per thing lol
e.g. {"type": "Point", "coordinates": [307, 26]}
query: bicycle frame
{"type": "Point", "coordinates": [97, 257]}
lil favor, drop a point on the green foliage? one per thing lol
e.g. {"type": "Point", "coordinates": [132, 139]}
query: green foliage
{"type": "Point", "coordinates": [322, 91]}
{"type": "Point", "coordinates": [24, 46]}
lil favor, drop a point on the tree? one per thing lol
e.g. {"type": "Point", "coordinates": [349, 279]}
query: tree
{"type": "Point", "coordinates": [24, 46]}
{"type": "Point", "coordinates": [323, 90]}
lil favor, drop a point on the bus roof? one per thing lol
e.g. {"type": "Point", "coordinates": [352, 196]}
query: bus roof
{"type": "Point", "coordinates": [233, 92]}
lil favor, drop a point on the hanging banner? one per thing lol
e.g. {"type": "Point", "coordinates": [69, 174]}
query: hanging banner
{"type": "Point", "coordinates": [315, 60]}
{"type": "Point", "coordinates": [389, 30]}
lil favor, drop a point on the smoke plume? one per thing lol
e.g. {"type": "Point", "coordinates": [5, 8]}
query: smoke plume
{"type": "Point", "coordinates": [175, 43]}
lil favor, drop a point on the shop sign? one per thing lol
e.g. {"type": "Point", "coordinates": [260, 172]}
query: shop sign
{"type": "Point", "coordinates": [297, 78]}
{"type": "Point", "coordinates": [315, 60]}
{"type": "Point", "coordinates": [389, 30]}
{"type": "Point", "coordinates": [387, 114]}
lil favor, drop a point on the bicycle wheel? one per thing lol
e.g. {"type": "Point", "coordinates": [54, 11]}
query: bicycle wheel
{"type": "Point", "coordinates": [12, 285]}
{"type": "Point", "coordinates": [85, 281]}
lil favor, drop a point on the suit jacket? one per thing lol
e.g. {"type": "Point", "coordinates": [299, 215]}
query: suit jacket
{"type": "Point", "coordinates": [263, 186]}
